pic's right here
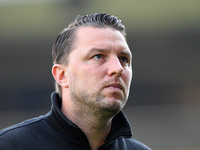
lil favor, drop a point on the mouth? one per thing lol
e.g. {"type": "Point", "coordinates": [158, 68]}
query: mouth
{"type": "Point", "coordinates": [115, 87]}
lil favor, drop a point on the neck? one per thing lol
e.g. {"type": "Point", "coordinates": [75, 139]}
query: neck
{"type": "Point", "coordinates": [95, 127]}
{"type": "Point", "coordinates": [97, 134]}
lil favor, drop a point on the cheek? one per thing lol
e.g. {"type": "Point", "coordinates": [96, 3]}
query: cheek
{"type": "Point", "coordinates": [95, 73]}
{"type": "Point", "coordinates": [128, 78]}
{"type": "Point", "coordinates": [91, 77]}
{"type": "Point", "coordinates": [90, 74]}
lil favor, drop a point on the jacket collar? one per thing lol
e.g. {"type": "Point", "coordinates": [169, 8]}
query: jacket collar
{"type": "Point", "coordinates": [120, 126]}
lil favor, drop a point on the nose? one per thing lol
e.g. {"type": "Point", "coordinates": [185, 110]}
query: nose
{"type": "Point", "coordinates": [115, 67]}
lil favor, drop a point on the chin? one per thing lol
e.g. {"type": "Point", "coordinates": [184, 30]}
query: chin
{"type": "Point", "coordinates": [114, 106]}
{"type": "Point", "coordinates": [111, 104]}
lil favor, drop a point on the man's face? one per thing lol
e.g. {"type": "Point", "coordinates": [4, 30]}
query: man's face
{"type": "Point", "coordinates": [99, 70]}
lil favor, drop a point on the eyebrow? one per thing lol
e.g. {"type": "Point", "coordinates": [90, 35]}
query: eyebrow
{"type": "Point", "coordinates": [94, 50]}
{"type": "Point", "coordinates": [124, 52]}
{"type": "Point", "coordinates": [127, 53]}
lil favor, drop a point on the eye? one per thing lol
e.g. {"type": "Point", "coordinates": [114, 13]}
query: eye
{"type": "Point", "coordinates": [98, 56]}
{"type": "Point", "coordinates": [124, 59]}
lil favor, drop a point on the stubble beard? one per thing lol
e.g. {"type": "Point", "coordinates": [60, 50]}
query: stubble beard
{"type": "Point", "coordinates": [93, 103]}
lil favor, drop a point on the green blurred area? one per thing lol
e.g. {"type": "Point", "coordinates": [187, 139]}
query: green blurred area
{"type": "Point", "coordinates": [36, 19]}
{"type": "Point", "coordinates": [42, 19]}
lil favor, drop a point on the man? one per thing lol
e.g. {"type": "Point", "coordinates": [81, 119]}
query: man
{"type": "Point", "coordinates": [92, 70]}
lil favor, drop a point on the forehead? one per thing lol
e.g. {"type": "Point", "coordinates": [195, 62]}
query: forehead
{"type": "Point", "coordinates": [100, 37]}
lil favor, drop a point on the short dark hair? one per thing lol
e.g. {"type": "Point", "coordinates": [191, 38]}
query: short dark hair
{"type": "Point", "coordinates": [64, 42]}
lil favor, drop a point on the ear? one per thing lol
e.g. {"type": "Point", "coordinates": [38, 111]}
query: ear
{"type": "Point", "coordinates": [59, 74]}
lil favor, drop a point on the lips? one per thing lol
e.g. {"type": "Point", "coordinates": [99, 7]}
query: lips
{"type": "Point", "coordinates": [115, 87]}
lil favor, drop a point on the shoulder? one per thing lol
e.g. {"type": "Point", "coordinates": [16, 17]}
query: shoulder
{"type": "Point", "coordinates": [20, 132]}
{"type": "Point", "coordinates": [138, 145]}
{"type": "Point", "coordinates": [127, 144]}
{"type": "Point", "coordinates": [20, 126]}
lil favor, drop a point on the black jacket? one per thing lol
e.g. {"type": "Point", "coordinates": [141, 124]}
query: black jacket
{"type": "Point", "coordinates": [54, 131]}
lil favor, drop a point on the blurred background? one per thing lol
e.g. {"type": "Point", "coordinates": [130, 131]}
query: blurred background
{"type": "Point", "coordinates": [164, 37]}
